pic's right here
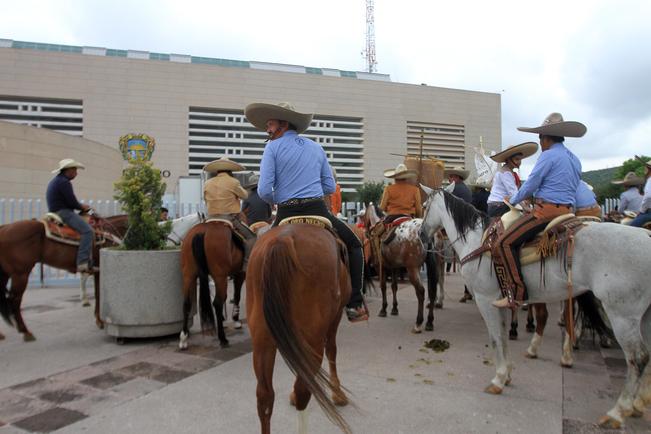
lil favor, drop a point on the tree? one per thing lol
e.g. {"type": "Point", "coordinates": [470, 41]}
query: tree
{"type": "Point", "coordinates": [632, 165]}
{"type": "Point", "coordinates": [140, 191]}
{"type": "Point", "coordinates": [370, 191]}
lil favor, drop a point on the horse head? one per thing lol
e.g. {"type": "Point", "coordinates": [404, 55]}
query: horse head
{"type": "Point", "coordinates": [431, 218]}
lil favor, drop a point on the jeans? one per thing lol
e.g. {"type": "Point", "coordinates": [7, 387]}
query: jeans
{"type": "Point", "coordinates": [354, 246]}
{"type": "Point", "coordinates": [73, 220]}
{"type": "Point", "coordinates": [641, 219]}
{"type": "Point", "coordinates": [497, 209]}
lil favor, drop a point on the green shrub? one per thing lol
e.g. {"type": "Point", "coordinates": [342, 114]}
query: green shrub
{"type": "Point", "coordinates": [140, 191]}
{"type": "Point", "coordinates": [370, 191]}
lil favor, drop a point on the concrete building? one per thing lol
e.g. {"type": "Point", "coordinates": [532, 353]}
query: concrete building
{"type": "Point", "coordinates": [193, 107]}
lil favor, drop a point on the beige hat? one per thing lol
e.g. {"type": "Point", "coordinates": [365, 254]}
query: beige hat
{"type": "Point", "coordinates": [527, 149]}
{"type": "Point", "coordinates": [252, 181]}
{"type": "Point", "coordinates": [554, 125]}
{"type": "Point", "coordinates": [259, 113]}
{"type": "Point", "coordinates": [629, 180]}
{"type": "Point", "coordinates": [222, 165]}
{"type": "Point", "coordinates": [460, 172]}
{"type": "Point", "coordinates": [400, 172]}
{"type": "Point", "coordinates": [68, 163]}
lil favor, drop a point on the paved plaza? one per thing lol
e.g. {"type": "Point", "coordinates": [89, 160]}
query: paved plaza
{"type": "Point", "coordinates": [74, 378]}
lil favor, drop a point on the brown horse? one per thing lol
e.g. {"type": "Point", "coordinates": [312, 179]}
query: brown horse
{"type": "Point", "coordinates": [297, 288]}
{"type": "Point", "coordinates": [405, 251]}
{"type": "Point", "coordinates": [22, 245]}
{"type": "Point", "coordinates": [210, 249]}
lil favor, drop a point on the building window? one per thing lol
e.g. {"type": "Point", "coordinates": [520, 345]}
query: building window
{"type": "Point", "coordinates": [443, 141]}
{"type": "Point", "coordinates": [62, 115]}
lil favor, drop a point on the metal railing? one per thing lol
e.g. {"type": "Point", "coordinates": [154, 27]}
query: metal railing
{"type": "Point", "coordinates": [610, 204]}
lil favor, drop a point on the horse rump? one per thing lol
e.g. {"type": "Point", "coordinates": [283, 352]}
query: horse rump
{"type": "Point", "coordinates": [279, 268]}
{"type": "Point", "coordinates": [206, 311]}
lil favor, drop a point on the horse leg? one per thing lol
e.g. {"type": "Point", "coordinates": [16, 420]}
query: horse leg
{"type": "Point", "coordinates": [383, 288]}
{"type": "Point", "coordinates": [414, 279]}
{"type": "Point", "coordinates": [643, 396]}
{"type": "Point", "coordinates": [338, 395]}
{"type": "Point", "coordinates": [238, 280]}
{"type": "Point", "coordinates": [189, 295]}
{"type": "Point", "coordinates": [221, 285]}
{"type": "Point", "coordinates": [513, 331]}
{"type": "Point", "coordinates": [263, 366]}
{"type": "Point", "coordinates": [84, 294]}
{"type": "Point", "coordinates": [495, 320]}
{"type": "Point", "coordinates": [541, 321]}
{"type": "Point", "coordinates": [18, 285]}
{"type": "Point", "coordinates": [440, 271]}
{"type": "Point", "coordinates": [98, 320]}
{"type": "Point", "coordinates": [567, 360]}
{"type": "Point", "coordinates": [432, 295]}
{"type": "Point", "coordinates": [394, 290]}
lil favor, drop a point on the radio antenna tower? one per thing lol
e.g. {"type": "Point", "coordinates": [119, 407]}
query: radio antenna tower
{"type": "Point", "coordinates": [369, 53]}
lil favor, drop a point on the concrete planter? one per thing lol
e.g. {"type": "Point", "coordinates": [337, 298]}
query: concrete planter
{"type": "Point", "coordinates": [141, 292]}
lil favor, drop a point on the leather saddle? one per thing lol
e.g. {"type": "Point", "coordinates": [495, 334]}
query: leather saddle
{"type": "Point", "coordinates": [57, 230]}
{"type": "Point", "coordinates": [386, 231]}
{"type": "Point", "coordinates": [322, 222]}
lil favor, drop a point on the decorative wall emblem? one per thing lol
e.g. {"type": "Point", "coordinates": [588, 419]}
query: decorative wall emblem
{"type": "Point", "coordinates": [137, 147]}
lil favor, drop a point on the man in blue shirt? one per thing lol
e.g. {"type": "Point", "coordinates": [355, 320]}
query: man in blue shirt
{"type": "Point", "coordinates": [295, 175]}
{"type": "Point", "coordinates": [553, 184]}
{"type": "Point", "coordinates": [62, 201]}
{"type": "Point", "coordinates": [586, 202]}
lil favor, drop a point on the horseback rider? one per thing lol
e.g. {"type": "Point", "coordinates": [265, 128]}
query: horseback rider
{"type": "Point", "coordinates": [553, 183]}
{"type": "Point", "coordinates": [506, 181]}
{"type": "Point", "coordinates": [461, 190]}
{"type": "Point", "coordinates": [645, 209]}
{"type": "Point", "coordinates": [631, 199]}
{"type": "Point", "coordinates": [61, 200]}
{"type": "Point", "coordinates": [586, 202]}
{"type": "Point", "coordinates": [255, 209]}
{"type": "Point", "coordinates": [222, 194]}
{"type": "Point", "coordinates": [401, 198]}
{"type": "Point", "coordinates": [295, 175]}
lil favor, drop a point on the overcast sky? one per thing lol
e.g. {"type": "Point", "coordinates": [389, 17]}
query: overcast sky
{"type": "Point", "coordinates": [589, 60]}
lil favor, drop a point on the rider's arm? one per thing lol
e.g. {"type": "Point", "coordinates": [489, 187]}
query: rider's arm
{"type": "Point", "coordinates": [623, 202]}
{"type": "Point", "coordinates": [238, 190]}
{"type": "Point", "coordinates": [327, 181]}
{"type": "Point", "coordinates": [267, 174]}
{"type": "Point", "coordinates": [419, 205]}
{"type": "Point", "coordinates": [69, 197]}
{"type": "Point", "coordinates": [385, 199]}
{"type": "Point", "coordinates": [542, 167]}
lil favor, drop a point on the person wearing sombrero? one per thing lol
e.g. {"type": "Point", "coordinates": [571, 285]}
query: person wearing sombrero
{"type": "Point", "coordinates": [506, 181]}
{"type": "Point", "coordinates": [295, 175]}
{"type": "Point", "coordinates": [254, 208]}
{"type": "Point", "coordinates": [400, 199]}
{"type": "Point", "coordinates": [631, 199]}
{"type": "Point", "coordinates": [222, 194]}
{"type": "Point", "coordinates": [61, 200]}
{"type": "Point", "coordinates": [644, 216]}
{"type": "Point", "coordinates": [553, 184]}
{"type": "Point", "coordinates": [458, 177]}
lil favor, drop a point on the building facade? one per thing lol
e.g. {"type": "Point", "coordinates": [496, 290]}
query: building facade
{"type": "Point", "coordinates": [193, 107]}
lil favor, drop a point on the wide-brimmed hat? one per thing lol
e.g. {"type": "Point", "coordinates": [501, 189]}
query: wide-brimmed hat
{"type": "Point", "coordinates": [223, 165]}
{"type": "Point", "coordinates": [554, 125]}
{"type": "Point", "coordinates": [68, 163]}
{"type": "Point", "coordinates": [252, 182]}
{"type": "Point", "coordinates": [630, 179]}
{"type": "Point", "coordinates": [259, 113]}
{"type": "Point", "coordinates": [527, 149]}
{"type": "Point", "coordinates": [460, 172]}
{"type": "Point", "coordinates": [400, 172]}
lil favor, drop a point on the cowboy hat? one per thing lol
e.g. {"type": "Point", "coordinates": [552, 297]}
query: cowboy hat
{"type": "Point", "coordinates": [527, 149]}
{"type": "Point", "coordinates": [252, 182]}
{"type": "Point", "coordinates": [223, 165]}
{"type": "Point", "coordinates": [259, 113]}
{"type": "Point", "coordinates": [68, 163]}
{"type": "Point", "coordinates": [630, 179]}
{"type": "Point", "coordinates": [400, 172]}
{"type": "Point", "coordinates": [463, 174]}
{"type": "Point", "coordinates": [554, 125]}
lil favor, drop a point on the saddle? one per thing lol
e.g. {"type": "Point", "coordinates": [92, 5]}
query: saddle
{"type": "Point", "coordinates": [57, 230]}
{"type": "Point", "coordinates": [384, 232]}
{"type": "Point", "coordinates": [322, 222]}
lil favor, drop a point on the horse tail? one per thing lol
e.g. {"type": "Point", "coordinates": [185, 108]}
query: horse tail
{"type": "Point", "coordinates": [205, 307]}
{"type": "Point", "coordinates": [5, 308]}
{"type": "Point", "coordinates": [591, 311]}
{"type": "Point", "coordinates": [280, 266]}
{"type": "Point", "coordinates": [432, 273]}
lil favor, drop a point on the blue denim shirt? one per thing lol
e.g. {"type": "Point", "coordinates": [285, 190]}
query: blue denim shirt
{"type": "Point", "coordinates": [555, 177]}
{"type": "Point", "coordinates": [584, 196]}
{"type": "Point", "coordinates": [294, 167]}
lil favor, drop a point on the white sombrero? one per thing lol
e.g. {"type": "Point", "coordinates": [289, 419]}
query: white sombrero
{"type": "Point", "coordinates": [554, 125]}
{"type": "Point", "coordinates": [527, 149]}
{"type": "Point", "coordinates": [259, 113]}
{"type": "Point", "coordinates": [400, 172]}
{"type": "Point", "coordinates": [630, 179]}
{"type": "Point", "coordinates": [223, 165]}
{"type": "Point", "coordinates": [68, 163]}
{"type": "Point", "coordinates": [463, 174]}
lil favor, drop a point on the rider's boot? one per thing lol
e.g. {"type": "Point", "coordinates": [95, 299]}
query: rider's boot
{"type": "Point", "coordinates": [356, 309]}
{"type": "Point", "coordinates": [510, 301]}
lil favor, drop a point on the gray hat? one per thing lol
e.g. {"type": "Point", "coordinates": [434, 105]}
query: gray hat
{"type": "Point", "coordinates": [554, 125]}
{"type": "Point", "coordinates": [252, 182]}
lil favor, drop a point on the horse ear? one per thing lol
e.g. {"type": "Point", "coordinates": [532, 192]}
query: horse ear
{"type": "Point", "coordinates": [450, 188]}
{"type": "Point", "coordinates": [427, 190]}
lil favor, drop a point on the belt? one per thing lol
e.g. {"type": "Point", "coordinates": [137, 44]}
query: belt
{"type": "Point", "coordinates": [583, 208]}
{"type": "Point", "coordinates": [299, 201]}
{"type": "Point", "coordinates": [557, 205]}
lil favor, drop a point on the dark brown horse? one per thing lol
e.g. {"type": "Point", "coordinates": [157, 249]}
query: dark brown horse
{"type": "Point", "coordinates": [22, 245]}
{"type": "Point", "coordinates": [209, 249]}
{"type": "Point", "coordinates": [297, 288]}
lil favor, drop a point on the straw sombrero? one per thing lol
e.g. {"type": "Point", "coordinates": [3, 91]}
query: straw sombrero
{"type": "Point", "coordinates": [460, 172]}
{"type": "Point", "coordinates": [400, 172]}
{"type": "Point", "coordinates": [223, 165]}
{"type": "Point", "coordinates": [554, 125]}
{"type": "Point", "coordinates": [527, 149]}
{"type": "Point", "coordinates": [259, 113]}
{"type": "Point", "coordinates": [68, 163]}
{"type": "Point", "coordinates": [629, 180]}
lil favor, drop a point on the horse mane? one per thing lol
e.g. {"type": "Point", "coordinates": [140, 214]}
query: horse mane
{"type": "Point", "coordinates": [464, 215]}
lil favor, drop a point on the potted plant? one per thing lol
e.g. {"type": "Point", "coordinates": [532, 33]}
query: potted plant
{"type": "Point", "coordinates": [141, 280]}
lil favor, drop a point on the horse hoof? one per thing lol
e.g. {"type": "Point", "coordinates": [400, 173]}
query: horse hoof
{"type": "Point", "coordinates": [394, 312]}
{"type": "Point", "coordinates": [531, 329]}
{"type": "Point", "coordinates": [382, 314]}
{"type": "Point", "coordinates": [2, 336]}
{"type": "Point", "coordinates": [416, 330]}
{"type": "Point", "coordinates": [529, 355]}
{"type": "Point", "coordinates": [513, 336]}
{"type": "Point", "coordinates": [637, 413]}
{"type": "Point", "coordinates": [493, 389]}
{"type": "Point", "coordinates": [609, 423]}
{"type": "Point", "coordinates": [28, 337]}
{"type": "Point", "coordinates": [237, 325]}
{"type": "Point", "coordinates": [224, 344]}
{"type": "Point", "coordinates": [507, 382]}
{"type": "Point", "coordinates": [438, 305]}
{"type": "Point", "coordinates": [339, 399]}
{"type": "Point", "coordinates": [429, 327]}
{"type": "Point", "coordinates": [99, 323]}
{"type": "Point", "coordinates": [566, 364]}
{"type": "Point", "coordinates": [85, 303]}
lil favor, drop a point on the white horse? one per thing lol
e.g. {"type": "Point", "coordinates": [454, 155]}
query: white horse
{"type": "Point", "coordinates": [610, 260]}
{"type": "Point", "coordinates": [180, 227]}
